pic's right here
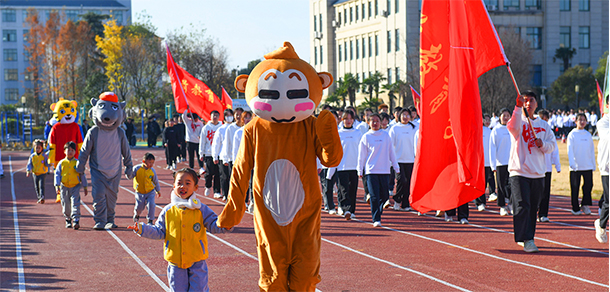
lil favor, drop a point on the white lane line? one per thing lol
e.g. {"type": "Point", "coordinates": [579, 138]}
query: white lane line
{"type": "Point", "coordinates": [492, 256]}
{"type": "Point", "coordinates": [19, 258]}
{"type": "Point", "coordinates": [133, 255]}
{"type": "Point", "coordinates": [395, 265]}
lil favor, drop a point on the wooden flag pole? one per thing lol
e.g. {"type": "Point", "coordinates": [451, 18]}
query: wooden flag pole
{"type": "Point", "coordinates": [510, 71]}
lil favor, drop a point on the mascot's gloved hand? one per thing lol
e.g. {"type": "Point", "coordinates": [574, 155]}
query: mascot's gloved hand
{"type": "Point", "coordinates": [328, 135]}
{"type": "Point", "coordinates": [128, 172]}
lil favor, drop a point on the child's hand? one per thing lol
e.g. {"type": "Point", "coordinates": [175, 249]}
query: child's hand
{"type": "Point", "coordinates": [135, 227]}
{"type": "Point", "coordinates": [86, 192]}
{"type": "Point", "coordinates": [58, 191]}
{"type": "Point", "coordinates": [27, 174]}
{"type": "Point", "coordinates": [158, 195]}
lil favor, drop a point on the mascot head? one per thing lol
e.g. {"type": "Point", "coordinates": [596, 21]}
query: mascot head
{"type": "Point", "coordinates": [65, 111]}
{"type": "Point", "coordinates": [283, 88]}
{"type": "Point", "coordinates": [107, 112]}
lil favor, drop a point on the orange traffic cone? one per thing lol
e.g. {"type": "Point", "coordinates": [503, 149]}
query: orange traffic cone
{"type": "Point", "coordinates": [563, 138]}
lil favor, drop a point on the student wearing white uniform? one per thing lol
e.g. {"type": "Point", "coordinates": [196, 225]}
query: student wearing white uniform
{"type": "Point", "coordinates": [493, 121]}
{"type": "Point", "coordinates": [489, 174]}
{"type": "Point", "coordinates": [246, 117]}
{"type": "Point", "coordinates": [402, 136]}
{"type": "Point", "coordinates": [550, 160]}
{"type": "Point", "coordinates": [581, 155]}
{"type": "Point", "coordinates": [363, 128]}
{"type": "Point", "coordinates": [226, 151]}
{"type": "Point", "coordinates": [328, 180]}
{"type": "Point", "coordinates": [603, 160]}
{"type": "Point", "coordinates": [527, 167]}
{"type": "Point", "coordinates": [219, 138]}
{"type": "Point", "coordinates": [193, 129]}
{"type": "Point", "coordinates": [347, 173]}
{"type": "Point", "coordinates": [212, 174]}
{"type": "Point", "coordinates": [499, 153]}
{"type": "Point", "coordinates": [375, 157]}
{"type": "Point", "coordinates": [593, 121]}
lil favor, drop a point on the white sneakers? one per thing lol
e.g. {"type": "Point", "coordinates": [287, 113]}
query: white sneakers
{"type": "Point", "coordinates": [439, 213]}
{"type": "Point", "coordinates": [397, 206]}
{"type": "Point", "coordinates": [492, 198]}
{"type": "Point", "coordinates": [576, 213]}
{"type": "Point", "coordinates": [377, 224]}
{"type": "Point", "coordinates": [386, 205]}
{"type": "Point", "coordinates": [251, 207]}
{"type": "Point", "coordinates": [529, 246]}
{"type": "Point", "coordinates": [201, 171]}
{"type": "Point", "coordinates": [464, 221]}
{"type": "Point", "coordinates": [586, 210]}
{"type": "Point", "coordinates": [600, 233]}
{"type": "Point", "coordinates": [481, 208]}
{"type": "Point", "coordinates": [368, 199]}
{"type": "Point", "coordinates": [207, 192]}
{"type": "Point", "coordinates": [340, 211]}
{"type": "Point", "coordinates": [448, 218]}
{"type": "Point", "coordinates": [504, 211]}
{"type": "Point", "coordinates": [332, 212]}
{"type": "Point", "coordinates": [543, 219]}
{"type": "Point", "coordinates": [217, 195]}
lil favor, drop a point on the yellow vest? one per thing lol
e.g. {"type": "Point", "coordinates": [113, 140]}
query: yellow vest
{"type": "Point", "coordinates": [186, 241]}
{"type": "Point", "coordinates": [69, 177]}
{"type": "Point", "coordinates": [38, 164]}
{"type": "Point", "coordinates": [143, 181]}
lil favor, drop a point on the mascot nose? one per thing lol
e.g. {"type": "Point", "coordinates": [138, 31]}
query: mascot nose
{"type": "Point", "coordinates": [106, 119]}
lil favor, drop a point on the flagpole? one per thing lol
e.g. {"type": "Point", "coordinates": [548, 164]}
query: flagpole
{"type": "Point", "coordinates": [178, 79]}
{"type": "Point", "coordinates": [519, 93]}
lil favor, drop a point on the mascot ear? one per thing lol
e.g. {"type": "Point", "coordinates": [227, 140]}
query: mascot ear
{"type": "Point", "coordinates": [123, 103]}
{"type": "Point", "coordinates": [93, 101]}
{"type": "Point", "coordinates": [240, 83]}
{"type": "Point", "coordinates": [74, 103]}
{"type": "Point", "coordinates": [90, 113]}
{"type": "Point", "coordinates": [53, 106]}
{"type": "Point", "coordinates": [326, 79]}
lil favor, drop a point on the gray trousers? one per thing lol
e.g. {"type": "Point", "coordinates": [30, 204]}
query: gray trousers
{"type": "Point", "coordinates": [145, 200]}
{"type": "Point", "coordinates": [104, 201]}
{"type": "Point", "coordinates": [70, 202]}
{"type": "Point", "coordinates": [39, 185]}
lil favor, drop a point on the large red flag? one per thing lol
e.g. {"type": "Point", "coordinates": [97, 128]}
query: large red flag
{"type": "Point", "coordinates": [226, 100]}
{"type": "Point", "coordinates": [600, 98]}
{"type": "Point", "coordinates": [191, 92]}
{"type": "Point", "coordinates": [458, 44]}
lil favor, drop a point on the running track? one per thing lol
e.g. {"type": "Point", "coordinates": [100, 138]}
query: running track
{"type": "Point", "coordinates": [410, 253]}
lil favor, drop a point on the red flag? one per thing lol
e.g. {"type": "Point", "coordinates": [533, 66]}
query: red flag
{"type": "Point", "coordinates": [458, 44]}
{"type": "Point", "coordinates": [416, 100]}
{"type": "Point", "coordinates": [191, 92]}
{"type": "Point", "coordinates": [600, 97]}
{"type": "Point", "coordinates": [227, 101]}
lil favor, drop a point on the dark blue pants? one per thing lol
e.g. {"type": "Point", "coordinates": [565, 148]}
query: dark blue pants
{"type": "Point", "coordinates": [378, 185]}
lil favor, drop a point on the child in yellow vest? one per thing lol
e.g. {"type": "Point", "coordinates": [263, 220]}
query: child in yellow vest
{"type": "Point", "coordinates": [38, 166]}
{"type": "Point", "coordinates": [182, 225]}
{"type": "Point", "coordinates": [146, 184]}
{"type": "Point", "coordinates": [67, 184]}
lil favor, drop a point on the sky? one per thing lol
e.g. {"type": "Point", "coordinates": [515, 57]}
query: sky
{"type": "Point", "coordinates": [247, 29]}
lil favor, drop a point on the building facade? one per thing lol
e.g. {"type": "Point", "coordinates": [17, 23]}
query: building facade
{"type": "Point", "coordinates": [365, 36]}
{"type": "Point", "coordinates": [14, 82]}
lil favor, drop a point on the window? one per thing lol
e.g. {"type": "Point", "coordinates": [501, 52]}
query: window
{"type": "Point", "coordinates": [9, 15]}
{"type": "Point", "coordinates": [370, 47]}
{"type": "Point", "coordinates": [26, 35]}
{"type": "Point", "coordinates": [357, 14]}
{"type": "Point", "coordinates": [565, 36]}
{"type": "Point", "coordinates": [532, 4]}
{"type": "Point", "coordinates": [536, 75]}
{"type": "Point", "coordinates": [534, 36]}
{"type": "Point", "coordinates": [321, 56]}
{"type": "Point", "coordinates": [583, 5]}
{"type": "Point", "coordinates": [508, 4]}
{"type": "Point", "coordinates": [345, 16]}
{"type": "Point", "coordinates": [389, 41]}
{"type": "Point", "coordinates": [376, 7]}
{"type": "Point", "coordinates": [397, 74]}
{"type": "Point", "coordinates": [315, 23]}
{"type": "Point", "coordinates": [9, 35]}
{"type": "Point", "coordinates": [357, 49]}
{"type": "Point", "coordinates": [389, 76]}
{"type": "Point", "coordinates": [11, 94]}
{"type": "Point", "coordinates": [376, 46]}
{"type": "Point", "coordinates": [363, 11]}
{"type": "Point", "coordinates": [118, 15]}
{"type": "Point", "coordinates": [396, 6]}
{"type": "Point", "coordinates": [28, 76]}
{"type": "Point", "coordinates": [345, 52]}
{"type": "Point", "coordinates": [26, 14]}
{"type": "Point", "coordinates": [26, 56]}
{"type": "Point", "coordinates": [29, 91]}
{"type": "Point", "coordinates": [339, 18]}
{"type": "Point", "coordinates": [363, 48]}
{"type": "Point", "coordinates": [340, 53]}
{"type": "Point", "coordinates": [73, 15]}
{"type": "Point", "coordinates": [396, 40]}
{"type": "Point", "coordinates": [320, 22]}
{"type": "Point", "coordinates": [351, 14]}
{"type": "Point", "coordinates": [370, 9]}
{"type": "Point", "coordinates": [491, 2]}
{"type": "Point", "coordinates": [10, 54]}
{"type": "Point", "coordinates": [564, 5]}
{"type": "Point", "coordinates": [315, 56]}
{"type": "Point", "coordinates": [351, 50]}
{"type": "Point", "coordinates": [11, 75]}
{"type": "Point", "coordinates": [583, 37]}
{"type": "Point", "coordinates": [389, 7]}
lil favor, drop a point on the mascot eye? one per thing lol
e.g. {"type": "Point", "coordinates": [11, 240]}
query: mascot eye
{"type": "Point", "coordinates": [268, 94]}
{"type": "Point", "coordinates": [62, 111]}
{"type": "Point", "coordinates": [72, 110]}
{"type": "Point", "coordinates": [115, 107]}
{"type": "Point", "coordinates": [101, 105]}
{"type": "Point", "coordinates": [299, 93]}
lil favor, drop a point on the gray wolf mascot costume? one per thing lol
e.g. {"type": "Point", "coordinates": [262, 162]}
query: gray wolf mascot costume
{"type": "Point", "coordinates": [105, 144]}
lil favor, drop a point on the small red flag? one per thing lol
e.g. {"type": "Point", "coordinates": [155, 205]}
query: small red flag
{"type": "Point", "coordinates": [416, 100]}
{"type": "Point", "coordinates": [226, 100]}
{"type": "Point", "coordinates": [600, 97]}
{"type": "Point", "coordinates": [458, 44]}
{"type": "Point", "coordinates": [191, 92]}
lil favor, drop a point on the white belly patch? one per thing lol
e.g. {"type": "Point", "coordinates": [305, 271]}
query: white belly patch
{"type": "Point", "coordinates": [283, 192]}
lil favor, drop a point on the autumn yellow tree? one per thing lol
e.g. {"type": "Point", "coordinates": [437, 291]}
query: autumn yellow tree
{"type": "Point", "coordinates": [111, 46]}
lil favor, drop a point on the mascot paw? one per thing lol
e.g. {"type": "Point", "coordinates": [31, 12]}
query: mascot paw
{"type": "Point", "coordinates": [325, 126]}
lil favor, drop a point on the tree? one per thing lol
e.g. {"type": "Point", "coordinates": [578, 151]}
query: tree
{"type": "Point", "coordinates": [370, 85]}
{"type": "Point", "coordinates": [563, 88]}
{"type": "Point", "coordinates": [95, 21]}
{"type": "Point", "coordinates": [351, 84]}
{"type": "Point", "coordinates": [35, 52]}
{"type": "Point", "coordinates": [565, 54]}
{"type": "Point", "coordinates": [111, 46]}
{"type": "Point", "coordinates": [496, 86]}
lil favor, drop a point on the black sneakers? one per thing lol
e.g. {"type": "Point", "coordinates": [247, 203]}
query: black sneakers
{"type": "Point", "coordinates": [68, 223]}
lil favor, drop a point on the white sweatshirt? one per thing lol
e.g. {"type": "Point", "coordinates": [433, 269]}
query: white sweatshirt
{"type": "Point", "coordinates": [603, 147]}
{"type": "Point", "coordinates": [236, 142]}
{"type": "Point", "coordinates": [526, 159]}
{"type": "Point", "coordinates": [403, 140]}
{"type": "Point", "coordinates": [375, 153]}
{"type": "Point", "coordinates": [581, 151]}
{"type": "Point", "coordinates": [363, 127]}
{"type": "Point", "coordinates": [486, 136]}
{"type": "Point", "coordinates": [193, 129]}
{"type": "Point", "coordinates": [552, 159]}
{"type": "Point", "coordinates": [226, 152]}
{"type": "Point", "coordinates": [219, 137]}
{"type": "Point", "coordinates": [205, 141]}
{"type": "Point", "coordinates": [499, 146]}
{"type": "Point", "coordinates": [350, 141]}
